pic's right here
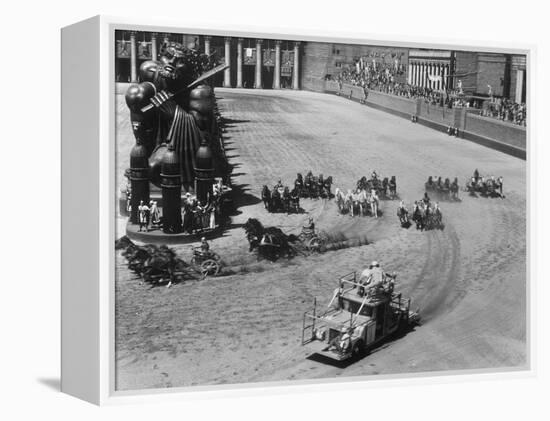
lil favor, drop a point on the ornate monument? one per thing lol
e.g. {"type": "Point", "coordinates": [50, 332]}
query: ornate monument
{"type": "Point", "coordinates": [178, 141]}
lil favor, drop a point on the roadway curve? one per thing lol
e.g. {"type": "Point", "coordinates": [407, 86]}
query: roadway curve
{"type": "Point", "coordinates": [469, 280]}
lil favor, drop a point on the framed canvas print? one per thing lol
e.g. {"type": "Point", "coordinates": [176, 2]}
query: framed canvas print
{"type": "Point", "coordinates": [246, 209]}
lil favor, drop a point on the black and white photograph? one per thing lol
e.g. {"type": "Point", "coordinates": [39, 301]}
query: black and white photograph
{"type": "Point", "coordinates": [293, 210]}
{"type": "Point", "coordinates": [275, 210]}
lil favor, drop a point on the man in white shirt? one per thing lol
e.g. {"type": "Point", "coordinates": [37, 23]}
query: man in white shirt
{"type": "Point", "coordinates": [143, 212]}
{"type": "Point", "coordinates": [374, 277]}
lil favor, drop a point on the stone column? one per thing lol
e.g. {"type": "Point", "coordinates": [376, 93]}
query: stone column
{"type": "Point", "coordinates": [133, 57]}
{"type": "Point", "coordinates": [258, 79]}
{"type": "Point", "coordinates": [428, 73]}
{"type": "Point", "coordinates": [207, 40]}
{"type": "Point", "coordinates": [296, 68]}
{"type": "Point", "coordinates": [154, 48]}
{"type": "Point", "coordinates": [409, 77]}
{"type": "Point", "coordinates": [424, 74]}
{"type": "Point", "coordinates": [277, 70]}
{"type": "Point", "coordinates": [240, 63]}
{"type": "Point", "coordinates": [227, 72]}
{"type": "Point", "coordinates": [519, 86]}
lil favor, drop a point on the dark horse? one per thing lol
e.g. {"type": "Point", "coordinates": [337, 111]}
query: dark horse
{"type": "Point", "coordinates": [270, 242]}
{"type": "Point", "coordinates": [294, 203]}
{"type": "Point", "coordinates": [299, 184]}
{"type": "Point", "coordinates": [454, 189]}
{"type": "Point", "coordinates": [153, 264]}
{"type": "Point", "coordinates": [393, 187]}
{"type": "Point", "coordinates": [325, 188]}
{"type": "Point", "coordinates": [419, 217]}
{"type": "Point", "coordinates": [266, 197]}
{"type": "Point", "coordinates": [403, 215]}
{"type": "Point", "coordinates": [384, 190]}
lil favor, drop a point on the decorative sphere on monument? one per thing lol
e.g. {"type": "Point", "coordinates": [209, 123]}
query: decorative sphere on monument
{"type": "Point", "coordinates": [201, 99]}
{"type": "Point", "coordinates": [138, 96]}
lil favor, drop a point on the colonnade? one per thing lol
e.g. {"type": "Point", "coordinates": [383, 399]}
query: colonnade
{"type": "Point", "coordinates": [431, 75]}
{"type": "Point", "coordinates": [258, 84]}
{"type": "Point", "coordinates": [258, 67]}
{"type": "Point", "coordinates": [134, 54]}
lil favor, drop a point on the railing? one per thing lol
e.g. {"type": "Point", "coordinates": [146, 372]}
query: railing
{"type": "Point", "coordinates": [312, 325]}
{"type": "Point", "coordinates": [350, 278]}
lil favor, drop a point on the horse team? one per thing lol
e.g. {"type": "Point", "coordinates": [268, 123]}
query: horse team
{"type": "Point", "coordinates": [282, 199]}
{"type": "Point", "coordinates": [443, 190]}
{"type": "Point", "coordinates": [427, 215]}
{"type": "Point", "coordinates": [485, 186]}
{"type": "Point", "coordinates": [313, 187]}
{"type": "Point", "coordinates": [364, 200]}
{"type": "Point", "coordinates": [270, 242]}
{"type": "Point", "coordinates": [156, 265]}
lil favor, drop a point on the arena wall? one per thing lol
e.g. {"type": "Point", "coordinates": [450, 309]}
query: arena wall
{"type": "Point", "coordinates": [509, 133]}
{"type": "Point", "coordinates": [441, 115]}
{"type": "Point", "coordinates": [503, 136]}
{"type": "Point", "coordinates": [403, 107]}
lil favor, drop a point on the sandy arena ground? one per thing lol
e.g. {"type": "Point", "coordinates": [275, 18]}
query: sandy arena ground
{"type": "Point", "coordinates": [468, 280]}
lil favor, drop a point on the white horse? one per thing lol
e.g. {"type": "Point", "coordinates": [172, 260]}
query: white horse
{"type": "Point", "coordinates": [349, 200]}
{"type": "Point", "coordinates": [355, 202]}
{"type": "Point", "coordinates": [363, 201]}
{"type": "Point", "coordinates": [373, 201]}
{"type": "Point", "coordinates": [339, 198]}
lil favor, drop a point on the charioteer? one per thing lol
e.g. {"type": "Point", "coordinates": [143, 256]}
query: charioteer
{"type": "Point", "coordinates": [310, 226]}
{"type": "Point", "coordinates": [476, 175]}
{"type": "Point", "coordinates": [205, 247]}
{"type": "Point", "coordinates": [426, 199]}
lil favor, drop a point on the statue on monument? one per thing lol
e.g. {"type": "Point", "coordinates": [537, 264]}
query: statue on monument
{"type": "Point", "coordinates": [171, 106]}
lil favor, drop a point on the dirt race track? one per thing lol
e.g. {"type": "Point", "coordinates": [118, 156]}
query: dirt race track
{"type": "Point", "coordinates": [469, 280]}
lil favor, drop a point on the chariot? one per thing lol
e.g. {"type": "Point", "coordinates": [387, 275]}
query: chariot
{"type": "Point", "coordinates": [207, 263]}
{"type": "Point", "coordinates": [312, 240]}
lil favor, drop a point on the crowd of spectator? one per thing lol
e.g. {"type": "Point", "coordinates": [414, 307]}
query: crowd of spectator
{"type": "Point", "coordinates": [382, 77]}
{"type": "Point", "coordinates": [195, 216]}
{"type": "Point", "coordinates": [505, 110]}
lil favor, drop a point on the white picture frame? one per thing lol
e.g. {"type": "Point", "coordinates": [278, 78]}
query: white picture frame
{"type": "Point", "coordinates": [88, 191]}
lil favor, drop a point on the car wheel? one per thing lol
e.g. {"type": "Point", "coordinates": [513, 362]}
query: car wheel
{"type": "Point", "coordinates": [358, 349]}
